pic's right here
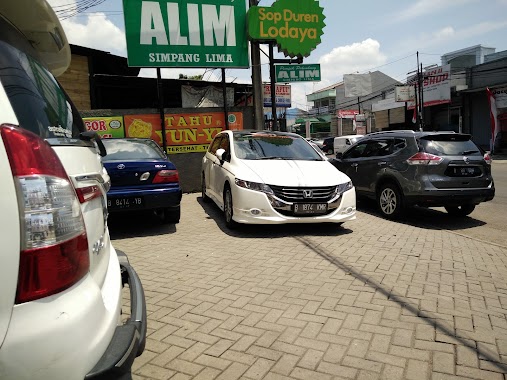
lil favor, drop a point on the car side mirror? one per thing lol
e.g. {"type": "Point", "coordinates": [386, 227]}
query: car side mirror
{"type": "Point", "coordinates": [220, 154]}
{"type": "Point", "coordinates": [339, 155]}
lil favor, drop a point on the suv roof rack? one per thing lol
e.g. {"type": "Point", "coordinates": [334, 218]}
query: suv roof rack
{"type": "Point", "coordinates": [397, 131]}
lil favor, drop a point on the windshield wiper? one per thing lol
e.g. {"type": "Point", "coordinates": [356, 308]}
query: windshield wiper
{"type": "Point", "coordinates": [271, 158]}
{"type": "Point", "coordinates": [470, 151]}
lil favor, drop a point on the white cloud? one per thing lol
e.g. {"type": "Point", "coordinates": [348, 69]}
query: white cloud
{"type": "Point", "coordinates": [481, 28]}
{"type": "Point", "coordinates": [448, 35]}
{"type": "Point", "coordinates": [97, 33]}
{"type": "Point", "coordinates": [423, 8]}
{"type": "Point", "coordinates": [358, 57]}
{"type": "Point", "coordinates": [445, 33]}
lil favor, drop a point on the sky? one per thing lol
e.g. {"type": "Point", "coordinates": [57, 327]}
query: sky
{"type": "Point", "coordinates": [360, 36]}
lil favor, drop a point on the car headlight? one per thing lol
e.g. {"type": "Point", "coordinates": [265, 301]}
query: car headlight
{"type": "Point", "coordinates": [344, 187]}
{"type": "Point", "coordinates": [262, 187]}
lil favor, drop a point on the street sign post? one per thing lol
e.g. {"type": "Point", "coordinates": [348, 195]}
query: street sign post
{"type": "Point", "coordinates": [298, 73]}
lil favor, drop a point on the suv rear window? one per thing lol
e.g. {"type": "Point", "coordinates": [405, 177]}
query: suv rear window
{"type": "Point", "coordinates": [40, 104]}
{"type": "Point", "coordinates": [450, 145]}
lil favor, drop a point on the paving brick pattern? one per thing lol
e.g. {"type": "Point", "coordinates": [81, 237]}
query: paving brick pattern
{"type": "Point", "coordinates": [373, 299]}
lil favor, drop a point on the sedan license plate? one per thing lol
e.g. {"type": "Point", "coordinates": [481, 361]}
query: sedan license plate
{"type": "Point", "coordinates": [125, 203]}
{"type": "Point", "coordinates": [310, 208]}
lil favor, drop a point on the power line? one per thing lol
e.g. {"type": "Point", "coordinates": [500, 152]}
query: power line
{"type": "Point", "coordinates": [66, 11]}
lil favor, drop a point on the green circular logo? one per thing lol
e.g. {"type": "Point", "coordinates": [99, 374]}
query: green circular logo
{"type": "Point", "coordinates": [231, 118]}
{"type": "Point", "coordinates": [296, 26]}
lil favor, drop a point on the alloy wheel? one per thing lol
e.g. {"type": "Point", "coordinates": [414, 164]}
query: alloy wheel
{"type": "Point", "coordinates": [388, 201]}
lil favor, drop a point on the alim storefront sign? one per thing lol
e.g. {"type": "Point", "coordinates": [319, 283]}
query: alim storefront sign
{"type": "Point", "coordinates": [186, 33]}
{"type": "Point", "coordinates": [298, 73]}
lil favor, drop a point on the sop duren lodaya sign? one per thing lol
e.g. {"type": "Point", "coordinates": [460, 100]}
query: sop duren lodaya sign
{"type": "Point", "coordinates": [296, 26]}
{"type": "Point", "coordinates": [186, 33]}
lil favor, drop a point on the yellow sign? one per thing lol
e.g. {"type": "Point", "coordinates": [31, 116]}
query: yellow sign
{"type": "Point", "coordinates": [105, 126]}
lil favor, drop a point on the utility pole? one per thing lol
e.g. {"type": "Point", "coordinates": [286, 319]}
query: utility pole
{"type": "Point", "coordinates": [274, 117]}
{"type": "Point", "coordinates": [420, 91]}
{"type": "Point", "coordinates": [422, 98]}
{"type": "Point", "coordinates": [257, 80]}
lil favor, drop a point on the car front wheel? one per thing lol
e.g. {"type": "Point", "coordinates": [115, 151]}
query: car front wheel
{"type": "Point", "coordinates": [228, 209]}
{"type": "Point", "coordinates": [389, 200]}
{"type": "Point", "coordinates": [461, 210]}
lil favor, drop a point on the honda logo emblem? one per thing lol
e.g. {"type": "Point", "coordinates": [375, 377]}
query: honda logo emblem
{"type": "Point", "coordinates": [307, 193]}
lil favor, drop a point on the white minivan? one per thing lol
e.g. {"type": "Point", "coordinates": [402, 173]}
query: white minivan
{"type": "Point", "coordinates": [61, 278]}
{"type": "Point", "coordinates": [342, 143]}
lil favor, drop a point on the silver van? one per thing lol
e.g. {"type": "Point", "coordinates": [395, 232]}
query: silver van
{"type": "Point", "coordinates": [342, 143]}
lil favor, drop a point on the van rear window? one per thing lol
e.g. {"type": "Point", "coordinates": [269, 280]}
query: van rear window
{"type": "Point", "coordinates": [40, 104]}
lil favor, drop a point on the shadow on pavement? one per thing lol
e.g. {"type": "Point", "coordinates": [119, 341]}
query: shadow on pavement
{"type": "Point", "coordinates": [391, 295]}
{"type": "Point", "coordinates": [272, 231]}
{"type": "Point", "coordinates": [427, 218]}
{"type": "Point", "coordinates": [137, 224]}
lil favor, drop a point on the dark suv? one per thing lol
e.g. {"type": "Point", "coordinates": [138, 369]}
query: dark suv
{"type": "Point", "coordinates": [400, 169]}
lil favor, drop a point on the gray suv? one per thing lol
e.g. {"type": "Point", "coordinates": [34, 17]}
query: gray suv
{"type": "Point", "coordinates": [400, 169]}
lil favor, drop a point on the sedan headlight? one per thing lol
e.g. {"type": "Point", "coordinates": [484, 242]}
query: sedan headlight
{"type": "Point", "coordinates": [262, 187]}
{"type": "Point", "coordinates": [344, 187]}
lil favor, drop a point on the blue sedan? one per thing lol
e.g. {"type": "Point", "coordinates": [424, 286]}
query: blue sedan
{"type": "Point", "coordinates": [142, 178]}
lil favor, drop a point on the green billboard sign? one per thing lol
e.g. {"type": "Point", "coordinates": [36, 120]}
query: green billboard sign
{"type": "Point", "coordinates": [298, 73]}
{"type": "Point", "coordinates": [186, 33]}
{"type": "Point", "coordinates": [296, 26]}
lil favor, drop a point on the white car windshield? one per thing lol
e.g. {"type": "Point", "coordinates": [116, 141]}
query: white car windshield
{"type": "Point", "coordinates": [265, 146]}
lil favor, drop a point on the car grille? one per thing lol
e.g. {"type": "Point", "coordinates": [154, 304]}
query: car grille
{"type": "Point", "coordinates": [297, 194]}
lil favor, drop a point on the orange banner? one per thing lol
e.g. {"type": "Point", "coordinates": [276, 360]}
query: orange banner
{"type": "Point", "coordinates": [181, 130]}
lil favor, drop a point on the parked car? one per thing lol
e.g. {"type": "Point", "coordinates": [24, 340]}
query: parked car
{"type": "Point", "coordinates": [60, 278]}
{"type": "Point", "coordinates": [264, 177]}
{"type": "Point", "coordinates": [142, 178]}
{"type": "Point", "coordinates": [431, 169]}
{"type": "Point", "coordinates": [318, 149]}
{"type": "Point", "coordinates": [316, 141]}
{"type": "Point", "coordinates": [328, 145]}
{"type": "Point", "coordinates": [342, 143]}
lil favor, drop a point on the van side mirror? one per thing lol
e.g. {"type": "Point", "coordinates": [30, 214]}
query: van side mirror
{"type": "Point", "coordinates": [94, 136]}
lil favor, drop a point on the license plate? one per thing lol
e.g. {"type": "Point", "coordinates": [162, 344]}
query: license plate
{"type": "Point", "coordinates": [310, 208]}
{"type": "Point", "coordinates": [125, 203]}
{"type": "Point", "coordinates": [464, 171]}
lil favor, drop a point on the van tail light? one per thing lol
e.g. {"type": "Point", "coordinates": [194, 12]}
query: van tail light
{"type": "Point", "coordinates": [54, 246]}
{"type": "Point", "coordinates": [422, 158]}
{"type": "Point", "coordinates": [88, 193]}
{"type": "Point", "coordinates": [166, 176]}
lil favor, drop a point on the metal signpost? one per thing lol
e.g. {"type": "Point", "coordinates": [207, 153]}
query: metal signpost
{"type": "Point", "coordinates": [294, 26]}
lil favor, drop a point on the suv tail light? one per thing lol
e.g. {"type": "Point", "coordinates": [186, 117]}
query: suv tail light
{"type": "Point", "coordinates": [54, 246]}
{"type": "Point", "coordinates": [166, 176]}
{"type": "Point", "coordinates": [487, 158]}
{"type": "Point", "coordinates": [422, 158]}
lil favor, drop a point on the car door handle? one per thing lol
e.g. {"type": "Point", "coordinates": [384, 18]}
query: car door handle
{"type": "Point", "coordinates": [382, 163]}
{"type": "Point", "coordinates": [354, 165]}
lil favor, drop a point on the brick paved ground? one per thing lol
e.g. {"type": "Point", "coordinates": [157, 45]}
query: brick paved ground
{"type": "Point", "coordinates": [372, 299]}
